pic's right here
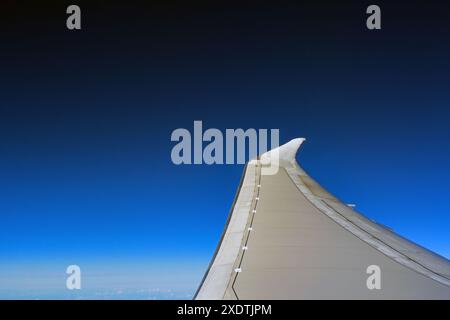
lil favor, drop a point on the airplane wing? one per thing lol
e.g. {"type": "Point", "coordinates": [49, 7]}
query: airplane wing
{"type": "Point", "coordinates": [286, 237]}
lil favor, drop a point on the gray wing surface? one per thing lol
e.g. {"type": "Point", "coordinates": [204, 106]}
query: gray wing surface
{"type": "Point", "coordinates": [288, 238]}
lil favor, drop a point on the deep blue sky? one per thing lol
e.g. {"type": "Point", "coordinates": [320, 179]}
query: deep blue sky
{"type": "Point", "coordinates": [86, 118]}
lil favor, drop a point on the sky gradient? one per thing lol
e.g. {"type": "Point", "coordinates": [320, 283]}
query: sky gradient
{"type": "Point", "coordinates": [86, 117]}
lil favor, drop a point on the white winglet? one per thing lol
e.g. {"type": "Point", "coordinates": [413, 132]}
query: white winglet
{"type": "Point", "coordinates": [284, 154]}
